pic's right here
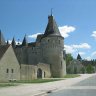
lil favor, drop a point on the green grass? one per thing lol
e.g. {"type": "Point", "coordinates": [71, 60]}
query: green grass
{"type": "Point", "coordinates": [15, 83]}
{"type": "Point", "coordinates": [71, 75]}
{"type": "Point", "coordinates": [7, 84]}
{"type": "Point", "coordinates": [38, 81]}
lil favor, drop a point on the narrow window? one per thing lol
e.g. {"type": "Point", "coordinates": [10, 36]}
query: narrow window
{"type": "Point", "coordinates": [32, 48]}
{"type": "Point", "coordinates": [44, 74]}
{"type": "Point", "coordinates": [61, 64]}
{"type": "Point", "coordinates": [7, 70]}
{"type": "Point", "coordinates": [12, 71]}
{"type": "Point", "coordinates": [48, 40]}
{"type": "Point", "coordinates": [59, 41]}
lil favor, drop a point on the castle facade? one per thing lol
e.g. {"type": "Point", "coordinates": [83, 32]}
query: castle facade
{"type": "Point", "coordinates": [41, 59]}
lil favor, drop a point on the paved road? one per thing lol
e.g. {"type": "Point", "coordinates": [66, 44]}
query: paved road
{"type": "Point", "coordinates": [42, 89]}
{"type": "Point", "coordinates": [86, 87]}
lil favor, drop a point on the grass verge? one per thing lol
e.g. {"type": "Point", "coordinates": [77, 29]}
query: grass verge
{"type": "Point", "coordinates": [71, 75]}
{"type": "Point", "coordinates": [7, 84]}
{"type": "Point", "coordinates": [38, 81]}
{"type": "Point", "coordinates": [15, 83]}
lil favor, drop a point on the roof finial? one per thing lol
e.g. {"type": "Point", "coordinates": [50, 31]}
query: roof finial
{"type": "Point", "coordinates": [51, 11]}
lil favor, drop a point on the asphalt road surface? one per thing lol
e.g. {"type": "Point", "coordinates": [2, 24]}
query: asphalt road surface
{"type": "Point", "coordinates": [86, 87]}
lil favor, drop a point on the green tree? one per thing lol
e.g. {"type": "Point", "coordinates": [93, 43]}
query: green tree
{"type": "Point", "coordinates": [82, 70]}
{"type": "Point", "coordinates": [89, 68]}
{"type": "Point", "coordinates": [75, 70]}
{"type": "Point", "coordinates": [69, 58]}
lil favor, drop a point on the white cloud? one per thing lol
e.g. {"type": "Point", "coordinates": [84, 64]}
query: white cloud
{"type": "Point", "coordinates": [10, 41]}
{"type": "Point", "coordinates": [88, 58]}
{"type": "Point", "coordinates": [82, 45]}
{"type": "Point", "coordinates": [74, 48]}
{"type": "Point", "coordinates": [34, 36]}
{"type": "Point", "coordinates": [94, 53]}
{"type": "Point", "coordinates": [82, 53]}
{"type": "Point", "coordinates": [65, 30]}
{"type": "Point", "coordinates": [94, 34]}
{"type": "Point", "coordinates": [69, 49]}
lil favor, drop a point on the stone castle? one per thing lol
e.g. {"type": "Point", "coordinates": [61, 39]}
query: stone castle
{"type": "Point", "coordinates": [41, 59]}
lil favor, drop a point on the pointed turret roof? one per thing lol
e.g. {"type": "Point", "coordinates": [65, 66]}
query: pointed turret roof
{"type": "Point", "coordinates": [13, 43]}
{"type": "Point", "coordinates": [2, 40]}
{"type": "Point", "coordinates": [79, 57]}
{"type": "Point", "coordinates": [25, 43]}
{"type": "Point", "coordinates": [7, 42]}
{"type": "Point", "coordinates": [52, 28]}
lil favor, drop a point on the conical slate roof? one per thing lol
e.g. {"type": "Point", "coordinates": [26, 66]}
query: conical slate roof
{"type": "Point", "coordinates": [3, 49]}
{"type": "Point", "coordinates": [13, 43]}
{"type": "Point", "coordinates": [79, 57]}
{"type": "Point", "coordinates": [52, 28]}
{"type": "Point", "coordinates": [2, 40]}
{"type": "Point", "coordinates": [25, 43]}
{"type": "Point", "coordinates": [7, 42]}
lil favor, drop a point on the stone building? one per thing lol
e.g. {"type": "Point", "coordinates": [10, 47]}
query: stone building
{"type": "Point", "coordinates": [9, 65]}
{"type": "Point", "coordinates": [76, 66]}
{"type": "Point", "coordinates": [40, 59]}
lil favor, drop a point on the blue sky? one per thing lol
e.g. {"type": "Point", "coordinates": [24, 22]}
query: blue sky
{"type": "Point", "coordinates": [76, 20]}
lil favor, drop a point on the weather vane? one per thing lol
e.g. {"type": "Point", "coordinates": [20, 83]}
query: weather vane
{"type": "Point", "coordinates": [51, 11]}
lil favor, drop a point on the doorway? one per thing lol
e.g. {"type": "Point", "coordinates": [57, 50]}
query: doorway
{"type": "Point", "coordinates": [39, 73]}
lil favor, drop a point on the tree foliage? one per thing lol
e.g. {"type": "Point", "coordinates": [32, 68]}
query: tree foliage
{"type": "Point", "coordinates": [89, 68]}
{"type": "Point", "coordinates": [69, 58]}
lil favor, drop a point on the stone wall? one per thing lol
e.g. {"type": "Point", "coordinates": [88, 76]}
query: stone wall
{"type": "Point", "coordinates": [28, 72]}
{"type": "Point", "coordinates": [75, 67]}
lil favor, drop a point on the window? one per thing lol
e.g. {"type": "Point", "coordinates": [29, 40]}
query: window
{"type": "Point", "coordinates": [59, 41]}
{"type": "Point", "coordinates": [32, 48]}
{"type": "Point", "coordinates": [61, 64]}
{"type": "Point", "coordinates": [12, 71]}
{"type": "Point", "coordinates": [7, 70]}
{"type": "Point", "coordinates": [48, 40]}
{"type": "Point", "coordinates": [44, 74]}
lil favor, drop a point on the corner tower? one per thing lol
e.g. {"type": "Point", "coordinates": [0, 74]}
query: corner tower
{"type": "Point", "coordinates": [53, 45]}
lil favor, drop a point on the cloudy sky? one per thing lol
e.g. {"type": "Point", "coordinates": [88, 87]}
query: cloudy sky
{"type": "Point", "coordinates": [76, 21]}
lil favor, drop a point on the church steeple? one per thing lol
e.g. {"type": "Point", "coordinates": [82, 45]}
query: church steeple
{"type": "Point", "coordinates": [25, 43]}
{"type": "Point", "coordinates": [2, 40]}
{"type": "Point", "coordinates": [13, 43]}
{"type": "Point", "coordinates": [52, 28]}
